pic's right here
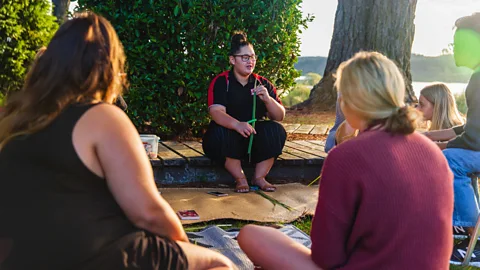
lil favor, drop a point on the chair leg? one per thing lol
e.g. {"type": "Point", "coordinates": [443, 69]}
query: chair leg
{"type": "Point", "coordinates": [474, 237]}
{"type": "Point", "coordinates": [475, 187]}
{"type": "Point", "coordinates": [472, 243]}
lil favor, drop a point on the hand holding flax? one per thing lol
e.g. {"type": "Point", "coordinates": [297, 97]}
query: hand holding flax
{"type": "Point", "coordinates": [244, 128]}
{"type": "Point", "coordinates": [262, 93]}
{"type": "Point", "coordinates": [275, 110]}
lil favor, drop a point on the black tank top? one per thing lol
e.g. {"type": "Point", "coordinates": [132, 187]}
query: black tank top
{"type": "Point", "coordinates": [58, 213]}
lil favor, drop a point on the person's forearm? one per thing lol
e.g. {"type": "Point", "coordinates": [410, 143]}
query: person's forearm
{"type": "Point", "coordinates": [442, 145]}
{"type": "Point", "coordinates": [275, 110]}
{"type": "Point", "coordinates": [441, 135]}
{"type": "Point", "coordinates": [164, 222]}
{"type": "Point", "coordinates": [223, 119]}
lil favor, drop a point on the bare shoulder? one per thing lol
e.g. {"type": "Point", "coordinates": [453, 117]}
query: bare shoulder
{"type": "Point", "coordinates": [107, 114]}
{"type": "Point", "coordinates": [105, 118]}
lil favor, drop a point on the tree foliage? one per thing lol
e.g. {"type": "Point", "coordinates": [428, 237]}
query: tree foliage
{"type": "Point", "coordinates": [174, 49]}
{"type": "Point", "coordinates": [25, 26]}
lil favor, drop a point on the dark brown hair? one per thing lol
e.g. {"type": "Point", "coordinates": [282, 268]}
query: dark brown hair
{"type": "Point", "coordinates": [239, 40]}
{"type": "Point", "coordinates": [83, 62]}
{"type": "Point", "coordinates": [471, 22]}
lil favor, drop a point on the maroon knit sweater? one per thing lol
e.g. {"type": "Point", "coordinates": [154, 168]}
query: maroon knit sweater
{"type": "Point", "coordinates": [385, 202]}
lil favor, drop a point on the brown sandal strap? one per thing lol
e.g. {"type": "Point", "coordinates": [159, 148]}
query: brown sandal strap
{"type": "Point", "coordinates": [239, 187]}
{"type": "Point", "coordinates": [267, 187]}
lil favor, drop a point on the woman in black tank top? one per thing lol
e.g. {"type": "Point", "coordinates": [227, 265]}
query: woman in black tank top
{"type": "Point", "coordinates": [76, 188]}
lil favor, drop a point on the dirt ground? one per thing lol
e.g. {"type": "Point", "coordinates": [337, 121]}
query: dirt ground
{"type": "Point", "coordinates": [309, 118]}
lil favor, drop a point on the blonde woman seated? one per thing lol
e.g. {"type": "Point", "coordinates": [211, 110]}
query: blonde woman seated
{"type": "Point", "coordinates": [439, 108]}
{"type": "Point", "coordinates": [378, 208]}
{"type": "Point", "coordinates": [76, 188]}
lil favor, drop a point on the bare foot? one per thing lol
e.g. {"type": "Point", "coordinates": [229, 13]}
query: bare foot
{"type": "Point", "coordinates": [264, 185]}
{"type": "Point", "coordinates": [241, 185]}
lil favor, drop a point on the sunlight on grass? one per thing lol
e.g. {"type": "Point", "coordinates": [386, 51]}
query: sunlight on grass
{"type": "Point", "coordinates": [301, 91]}
{"type": "Point", "coordinates": [303, 223]}
{"type": "Point", "coordinates": [455, 267]}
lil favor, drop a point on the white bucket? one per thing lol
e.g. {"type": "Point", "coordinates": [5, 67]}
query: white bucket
{"type": "Point", "coordinates": [150, 142]}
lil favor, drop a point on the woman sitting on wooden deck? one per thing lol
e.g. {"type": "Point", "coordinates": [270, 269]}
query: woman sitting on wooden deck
{"type": "Point", "coordinates": [378, 207]}
{"type": "Point", "coordinates": [230, 100]}
{"type": "Point", "coordinates": [76, 188]}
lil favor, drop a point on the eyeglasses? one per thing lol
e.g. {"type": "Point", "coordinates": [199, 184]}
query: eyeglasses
{"type": "Point", "coordinates": [246, 58]}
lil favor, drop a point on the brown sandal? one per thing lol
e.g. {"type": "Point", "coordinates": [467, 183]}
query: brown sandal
{"type": "Point", "coordinates": [240, 187]}
{"type": "Point", "coordinates": [267, 187]}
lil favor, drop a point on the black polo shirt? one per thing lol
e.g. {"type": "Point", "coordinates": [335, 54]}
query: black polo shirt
{"type": "Point", "coordinates": [227, 91]}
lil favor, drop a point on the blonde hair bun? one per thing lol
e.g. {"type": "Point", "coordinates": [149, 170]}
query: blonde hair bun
{"type": "Point", "coordinates": [373, 87]}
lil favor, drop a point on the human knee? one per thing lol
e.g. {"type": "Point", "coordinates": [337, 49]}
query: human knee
{"type": "Point", "coordinates": [280, 128]}
{"type": "Point", "coordinates": [221, 263]}
{"type": "Point", "coordinates": [271, 125]}
{"type": "Point", "coordinates": [247, 233]}
{"type": "Point", "coordinates": [452, 158]}
{"type": "Point", "coordinates": [449, 155]}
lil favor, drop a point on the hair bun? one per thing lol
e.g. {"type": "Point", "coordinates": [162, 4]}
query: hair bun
{"type": "Point", "coordinates": [239, 40]}
{"type": "Point", "coordinates": [402, 121]}
{"type": "Point", "coordinates": [239, 37]}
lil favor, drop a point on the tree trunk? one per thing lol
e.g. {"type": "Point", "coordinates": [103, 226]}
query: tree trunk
{"type": "Point", "coordinates": [366, 25]}
{"type": "Point", "coordinates": [60, 10]}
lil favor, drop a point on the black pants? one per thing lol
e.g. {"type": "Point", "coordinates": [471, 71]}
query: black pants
{"type": "Point", "coordinates": [140, 250]}
{"type": "Point", "coordinates": [220, 142]}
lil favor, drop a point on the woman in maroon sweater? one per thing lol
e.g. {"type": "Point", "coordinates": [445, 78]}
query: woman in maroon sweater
{"type": "Point", "coordinates": [378, 207]}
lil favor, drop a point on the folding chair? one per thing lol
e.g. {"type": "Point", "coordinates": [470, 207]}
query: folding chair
{"type": "Point", "coordinates": [473, 240]}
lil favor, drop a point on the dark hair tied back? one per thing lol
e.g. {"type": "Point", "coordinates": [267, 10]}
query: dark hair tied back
{"type": "Point", "coordinates": [471, 22]}
{"type": "Point", "coordinates": [239, 40]}
{"type": "Point", "coordinates": [402, 121]}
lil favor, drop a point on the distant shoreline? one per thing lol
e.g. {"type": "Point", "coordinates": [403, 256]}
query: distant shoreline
{"type": "Point", "coordinates": [423, 68]}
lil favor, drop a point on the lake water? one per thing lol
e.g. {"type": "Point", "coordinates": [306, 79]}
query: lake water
{"type": "Point", "coordinates": [456, 88]}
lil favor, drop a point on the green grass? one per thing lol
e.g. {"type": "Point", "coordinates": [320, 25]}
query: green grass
{"type": "Point", "coordinates": [301, 91]}
{"type": "Point", "coordinates": [454, 267]}
{"type": "Point", "coordinates": [303, 223]}
{"type": "Point", "coordinates": [298, 94]}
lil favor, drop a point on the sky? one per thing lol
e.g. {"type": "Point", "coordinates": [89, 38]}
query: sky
{"type": "Point", "coordinates": [434, 21]}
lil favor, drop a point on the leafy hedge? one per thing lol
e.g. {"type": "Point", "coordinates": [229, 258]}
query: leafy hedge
{"type": "Point", "coordinates": [25, 26]}
{"type": "Point", "coordinates": [175, 47]}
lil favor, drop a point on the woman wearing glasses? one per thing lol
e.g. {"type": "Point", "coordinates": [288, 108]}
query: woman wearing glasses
{"type": "Point", "coordinates": [230, 103]}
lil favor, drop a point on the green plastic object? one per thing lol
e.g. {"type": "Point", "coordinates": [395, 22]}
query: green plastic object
{"type": "Point", "coordinates": [252, 122]}
{"type": "Point", "coordinates": [466, 48]}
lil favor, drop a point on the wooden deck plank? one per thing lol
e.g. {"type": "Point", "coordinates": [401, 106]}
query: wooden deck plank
{"type": "Point", "coordinates": [295, 153]}
{"type": "Point", "coordinates": [319, 146]}
{"type": "Point", "coordinates": [168, 157]}
{"type": "Point", "coordinates": [310, 149]}
{"type": "Point", "coordinates": [319, 130]}
{"type": "Point", "coordinates": [197, 146]}
{"type": "Point", "coordinates": [317, 142]}
{"type": "Point", "coordinates": [193, 157]}
{"type": "Point", "coordinates": [289, 159]}
{"type": "Point", "coordinates": [304, 129]}
{"type": "Point", "coordinates": [290, 128]}
{"type": "Point", "coordinates": [309, 158]}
